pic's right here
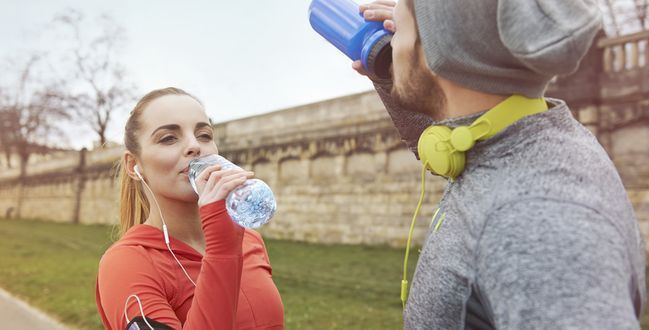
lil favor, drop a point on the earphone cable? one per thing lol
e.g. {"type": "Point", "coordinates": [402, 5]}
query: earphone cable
{"type": "Point", "coordinates": [165, 232]}
{"type": "Point", "coordinates": [141, 310]}
{"type": "Point", "coordinates": [404, 281]}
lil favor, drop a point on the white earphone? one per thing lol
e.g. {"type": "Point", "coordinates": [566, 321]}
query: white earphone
{"type": "Point", "coordinates": [136, 169]}
{"type": "Point", "coordinates": [137, 172]}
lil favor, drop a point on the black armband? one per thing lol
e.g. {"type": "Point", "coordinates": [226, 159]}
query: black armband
{"type": "Point", "coordinates": [139, 324]}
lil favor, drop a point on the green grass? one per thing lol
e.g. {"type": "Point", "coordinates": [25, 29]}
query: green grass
{"type": "Point", "coordinates": [338, 287]}
{"type": "Point", "coordinates": [53, 267]}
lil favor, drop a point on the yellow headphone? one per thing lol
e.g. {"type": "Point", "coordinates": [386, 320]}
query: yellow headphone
{"type": "Point", "coordinates": [442, 150]}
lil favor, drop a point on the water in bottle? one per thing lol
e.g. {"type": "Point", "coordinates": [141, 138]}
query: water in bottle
{"type": "Point", "coordinates": [250, 205]}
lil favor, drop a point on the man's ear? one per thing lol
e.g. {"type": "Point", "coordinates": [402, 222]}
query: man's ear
{"type": "Point", "coordinates": [130, 162]}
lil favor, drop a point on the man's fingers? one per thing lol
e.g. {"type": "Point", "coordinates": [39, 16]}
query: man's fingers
{"type": "Point", "coordinates": [378, 4]}
{"type": "Point", "coordinates": [358, 66]}
{"type": "Point", "coordinates": [377, 14]}
{"type": "Point", "coordinates": [386, 2]}
{"type": "Point", "coordinates": [388, 24]}
{"type": "Point", "coordinates": [363, 9]}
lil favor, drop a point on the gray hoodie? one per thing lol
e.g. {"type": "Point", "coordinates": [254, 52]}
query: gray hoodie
{"type": "Point", "coordinates": [537, 233]}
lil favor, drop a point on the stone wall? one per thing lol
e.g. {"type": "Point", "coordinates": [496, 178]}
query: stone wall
{"type": "Point", "coordinates": [338, 168]}
{"type": "Point", "coordinates": [67, 187]}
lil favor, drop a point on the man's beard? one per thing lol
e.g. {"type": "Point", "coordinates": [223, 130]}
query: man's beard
{"type": "Point", "coordinates": [419, 92]}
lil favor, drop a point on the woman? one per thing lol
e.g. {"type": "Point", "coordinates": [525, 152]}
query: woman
{"type": "Point", "coordinates": [181, 262]}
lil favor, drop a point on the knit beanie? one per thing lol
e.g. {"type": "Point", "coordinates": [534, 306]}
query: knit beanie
{"type": "Point", "coordinates": [506, 46]}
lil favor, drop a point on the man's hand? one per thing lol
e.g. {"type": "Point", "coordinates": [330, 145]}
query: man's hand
{"type": "Point", "coordinates": [380, 10]}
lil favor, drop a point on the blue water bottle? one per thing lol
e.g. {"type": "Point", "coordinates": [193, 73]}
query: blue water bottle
{"type": "Point", "coordinates": [340, 22]}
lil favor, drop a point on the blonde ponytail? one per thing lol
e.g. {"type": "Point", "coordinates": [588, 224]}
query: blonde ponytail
{"type": "Point", "coordinates": [134, 206]}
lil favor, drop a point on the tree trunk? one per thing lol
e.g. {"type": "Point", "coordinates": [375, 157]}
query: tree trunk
{"type": "Point", "coordinates": [611, 11]}
{"type": "Point", "coordinates": [24, 158]}
{"type": "Point", "coordinates": [102, 136]}
{"type": "Point", "coordinates": [81, 184]}
{"type": "Point", "coordinates": [8, 158]}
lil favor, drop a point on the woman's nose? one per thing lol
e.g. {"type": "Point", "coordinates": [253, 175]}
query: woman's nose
{"type": "Point", "coordinates": [193, 147]}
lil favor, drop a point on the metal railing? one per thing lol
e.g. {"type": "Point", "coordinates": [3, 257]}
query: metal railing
{"type": "Point", "coordinates": [626, 52]}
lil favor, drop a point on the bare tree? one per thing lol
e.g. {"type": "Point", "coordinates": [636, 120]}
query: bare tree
{"type": "Point", "coordinates": [101, 86]}
{"type": "Point", "coordinates": [31, 112]}
{"type": "Point", "coordinates": [610, 10]}
{"type": "Point", "coordinates": [641, 12]}
{"type": "Point", "coordinates": [5, 128]}
{"type": "Point", "coordinates": [625, 16]}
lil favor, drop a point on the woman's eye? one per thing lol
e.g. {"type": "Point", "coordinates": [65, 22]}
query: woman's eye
{"type": "Point", "coordinates": [168, 139]}
{"type": "Point", "coordinates": [205, 136]}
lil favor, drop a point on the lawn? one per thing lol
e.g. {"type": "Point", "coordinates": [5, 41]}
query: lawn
{"type": "Point", "coordinates": [53, 267]}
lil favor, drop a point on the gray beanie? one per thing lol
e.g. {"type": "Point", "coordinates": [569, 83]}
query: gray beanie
{"type": "Point", "coordinates": [506, 46]}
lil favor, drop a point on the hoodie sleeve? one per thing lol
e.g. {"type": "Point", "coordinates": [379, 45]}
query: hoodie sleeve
{"type": "Point", "coordinates": [127, 279]}
{"type": "Point", "coordinates": [409, 124]}
{"type": "Point", "coordinates": [128, 271]}
{"type": "Point", "coordinates": [217, 289]}
{"type": "Point", "coordinates": [545, 264]}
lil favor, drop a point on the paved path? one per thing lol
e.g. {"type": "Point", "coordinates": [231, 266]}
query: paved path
{"type": "Point", "coordinates": [17, 315]}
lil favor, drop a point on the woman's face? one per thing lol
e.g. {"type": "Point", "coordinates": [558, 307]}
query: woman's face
{"type": "Point", "coordinates": [174, 130]}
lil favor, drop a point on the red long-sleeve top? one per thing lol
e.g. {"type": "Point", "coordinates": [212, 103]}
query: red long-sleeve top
{"type": "Point", "coordinates": [234, 288]}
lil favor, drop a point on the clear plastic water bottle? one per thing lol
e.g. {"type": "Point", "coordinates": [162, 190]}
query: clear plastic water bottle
{"type": "Point", "coordinates": [250, 205]}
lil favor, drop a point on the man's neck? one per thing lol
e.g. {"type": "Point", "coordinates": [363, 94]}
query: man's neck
{"type": "Point", "coordinates": [461, 101]}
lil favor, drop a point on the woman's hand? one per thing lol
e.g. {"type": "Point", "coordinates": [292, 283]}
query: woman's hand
{"type": "Point", "coordinates": [380, 10]}
{"type": "Point", "coordinates": [213, 184]}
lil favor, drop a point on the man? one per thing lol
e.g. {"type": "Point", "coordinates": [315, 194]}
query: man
{"type": "Point", "coordinates": [538, 231]}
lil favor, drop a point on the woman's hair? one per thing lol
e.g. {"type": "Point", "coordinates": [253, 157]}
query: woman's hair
{"type": "Point", "coordinates": [134, 206]}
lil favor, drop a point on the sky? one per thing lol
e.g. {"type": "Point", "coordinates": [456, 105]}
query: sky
{"type": "Point", "coordinates": [240, 58]}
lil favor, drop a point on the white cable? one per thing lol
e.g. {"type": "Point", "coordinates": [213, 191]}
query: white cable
{"type": "Point", "coordinates": [141, 310]}
{"type": "Point", "coordinates": [164, 229]}
{"type": "Point", "coordinates": [166, 238]}
{"type": "Point", "coordinates": [181, 266]}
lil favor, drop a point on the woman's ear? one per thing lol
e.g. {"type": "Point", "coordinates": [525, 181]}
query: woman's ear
{"type": "Point", "coordinates": [131, 166]}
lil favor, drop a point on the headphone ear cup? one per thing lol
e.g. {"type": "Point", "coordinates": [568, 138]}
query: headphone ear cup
{"type": "Point", "coordinates": [456, 163]}
{"type": "Point", "coordinates": [437, 153]}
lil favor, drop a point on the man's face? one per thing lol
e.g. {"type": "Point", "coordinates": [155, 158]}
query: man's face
{"type": "Point", "coordinates": [415, 88]}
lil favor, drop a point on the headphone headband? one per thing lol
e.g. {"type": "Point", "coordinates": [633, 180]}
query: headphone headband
{"type": "Point", "coordinates": [442, 149]}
